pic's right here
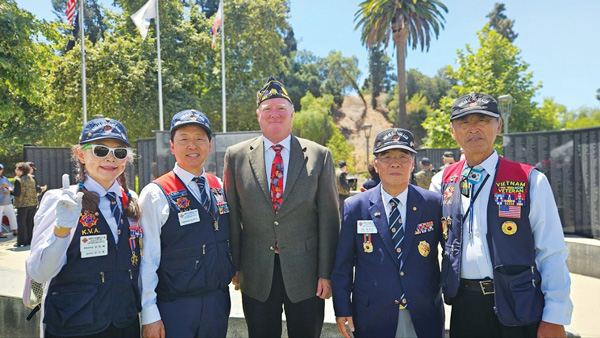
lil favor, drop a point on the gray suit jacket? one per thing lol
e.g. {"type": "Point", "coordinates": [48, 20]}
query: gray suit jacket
{"type": "Point", "coordinates": [306, 226]}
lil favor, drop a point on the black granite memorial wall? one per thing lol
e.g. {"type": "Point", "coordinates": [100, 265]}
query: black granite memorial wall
{"type": "Point", "coordinates": [571, 161]}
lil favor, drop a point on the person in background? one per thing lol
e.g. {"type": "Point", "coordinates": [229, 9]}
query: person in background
{"type": "Point", "coordinates": [6, 206]}
{"type": "Point", "coordinates": [284, 221]}
{"type": "Point", "coordinates": [25, 201]}
{"type": "Point", "coordinates": [425, 173]}
{"type": "Point", "coordinates": [386, 275]}
{"type": "Point", "coordinates": [447, 159]}
{"type": "Point", "coordinates": [87, 242]}
{"type": "Point", "coordinates": [187, 264]}
{"type": "Point", "coordinates": [341, 176]}
{"type": "Point", "coordinates": [374, 181]}
{"type": "Point", "coordinates": [504, 264]}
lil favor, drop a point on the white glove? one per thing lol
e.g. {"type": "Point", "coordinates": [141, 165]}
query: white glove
{"type": "Point", "coordinates": [68, 207]}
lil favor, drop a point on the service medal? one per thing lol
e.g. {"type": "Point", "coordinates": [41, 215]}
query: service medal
{"type": "Point", "coordinates": [509, 228]}
{"type": "Point", "coordinates": [445, 228]}
{"type": "Point", "coordinates": [134, 258]}
{"type": "Point", "coordinates": [424, 248]}
{"type": "Point", "coordinates": [367, 245]}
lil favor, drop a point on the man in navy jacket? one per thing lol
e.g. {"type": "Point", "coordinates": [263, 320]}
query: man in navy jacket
{"type": "Point", "coordinates": [390, 236]}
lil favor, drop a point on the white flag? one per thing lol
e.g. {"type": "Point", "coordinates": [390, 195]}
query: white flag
{"type": "Point", "coordinates": [142, 17]}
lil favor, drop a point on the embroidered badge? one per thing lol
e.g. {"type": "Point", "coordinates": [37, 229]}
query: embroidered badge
{"type": "Point", "coordinates": [88, 219]}
{"type": "Point", "coordinates": [509, 228]}
{"type": "Point", "coordinates": [424, 248]}
{"type": "Point", "coordinates": [183, 202]}
{"type": "Point", "coordinates": [448, 192]}
{"type": "Point", "coordinates": [445, 228]}
{"type": "Point", "coordinates": [509, 211]}
{"type": "Point", "coordinates": [424, 227]}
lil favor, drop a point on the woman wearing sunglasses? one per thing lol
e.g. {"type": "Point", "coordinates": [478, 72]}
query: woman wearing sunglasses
{"type": "Point", "coordinates": [87, 242]}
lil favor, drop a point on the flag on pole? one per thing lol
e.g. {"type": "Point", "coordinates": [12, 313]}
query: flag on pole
{"type": "Point", "coordinates": [75, 32]}
{"type": "Point", "coordinates": [217, 23]}
{"type": "Point", "coordinates": [142, 17]}
{"type": "Point", "coordinates": [71, 4]}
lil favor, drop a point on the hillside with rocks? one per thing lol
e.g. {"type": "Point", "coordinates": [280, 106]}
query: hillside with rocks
{"type": "Point", "coordinates": [351, 116]}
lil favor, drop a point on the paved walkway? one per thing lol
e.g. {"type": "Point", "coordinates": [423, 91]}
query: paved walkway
{"type": "Point", "coordinates": [585, 291]}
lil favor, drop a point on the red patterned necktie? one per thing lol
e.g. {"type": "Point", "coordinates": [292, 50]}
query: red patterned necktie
{"type": "Point", "coordinates": [277, 178]}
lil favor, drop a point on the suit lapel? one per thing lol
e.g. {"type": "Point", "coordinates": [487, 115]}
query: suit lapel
{"type": "Point", "coordinates": [379, 217]}
{"type": "Point", "coordinates": [413, 215]}
{"type": "Point", "coordinates": [256, 156]}
{"type": "Point", "coordinates": [297, 161]}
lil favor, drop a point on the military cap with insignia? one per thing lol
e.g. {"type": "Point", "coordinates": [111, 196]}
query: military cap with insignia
{"type": "Point", "coordinates": [271, 90]}
{"type": "Point", "coordinates": [475, 103]}
{"type": "Point", "coordinates": [190, 116]}
{"type": "Point", "coordinates": [103, 128]}
{"type": "Point", "coordinates": [394, 138]}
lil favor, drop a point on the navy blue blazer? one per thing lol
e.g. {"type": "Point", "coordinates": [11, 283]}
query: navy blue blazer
{"type": "Point", "coordinates": [378, 283]}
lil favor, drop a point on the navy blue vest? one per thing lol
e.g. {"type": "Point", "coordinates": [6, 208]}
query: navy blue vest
{"type": "Point", "coordinates": [195, 258]}
{"type": "Point", "coordinates": [89, 294]}
{"type": "Point", "coordinates": [518, 296]}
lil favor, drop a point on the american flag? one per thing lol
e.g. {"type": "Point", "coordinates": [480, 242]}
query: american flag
{"type": "Point", "coordinates": [71, 4]}
{"type": "Point", "coordinates": [511, 211]}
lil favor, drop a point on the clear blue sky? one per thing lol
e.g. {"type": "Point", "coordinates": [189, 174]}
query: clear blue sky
{"type": "Point", "coordinates": [557, 38]}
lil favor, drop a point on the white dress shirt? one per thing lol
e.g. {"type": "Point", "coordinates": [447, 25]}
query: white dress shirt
{"type": "Point", "coordinates": [155, 213]}
{"type": "Point", "coordinates": [385, 197]}
{"type": "Point", "coordinates": [270, 156]}
{"type": "Point", "coordinates": [48, 252]}
{"type": "Point", "coordinates": [550, 249]}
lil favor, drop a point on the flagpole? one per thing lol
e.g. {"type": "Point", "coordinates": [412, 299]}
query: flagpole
{"type": "Point", "coordinates": [83, 84]}
{"type": "Point", "coordinates": [160, 99]}
{"type": "Point", "coordinates": [223, 89]}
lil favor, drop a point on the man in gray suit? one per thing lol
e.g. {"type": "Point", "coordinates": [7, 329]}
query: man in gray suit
{"type": "Point", "coordinates": [284, 221]}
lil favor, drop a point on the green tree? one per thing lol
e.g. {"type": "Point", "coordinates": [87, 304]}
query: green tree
{"type": "Point", "coordinates": [379, 79]}
{"type": "Point", "coordinates": [501, 24]}
{"type": "Point", "coordinates": [121, 69]}
{"type": "Point", "coordinates": [25, 53]}
{"type": "Point", "coordinates": [314, 122]}
{"type": "Point", "coordinates": [584, 117]}
{"type": "Point", "coordinates": [431, 88]}
{"type": "Point", "coordinates": [496, 68]}
{"type": "Point", "coordinates": [339, 74]}
{"type": "Point", "coordinates": [301, 75]}
{"type": "Point", "coordinates": [417, 109]}
{"type": "Point", "coordinates": [409, 23]}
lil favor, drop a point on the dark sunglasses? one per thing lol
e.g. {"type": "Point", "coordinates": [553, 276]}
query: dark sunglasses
{"type": "Point", "coordinates": [103, 151]}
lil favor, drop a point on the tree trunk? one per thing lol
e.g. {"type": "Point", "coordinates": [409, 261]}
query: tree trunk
{"type": "Point", "coordinates": [400, 36]}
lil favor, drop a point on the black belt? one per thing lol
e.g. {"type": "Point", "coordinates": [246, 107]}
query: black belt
{"type": "Point", "coordinates": [486, 287]}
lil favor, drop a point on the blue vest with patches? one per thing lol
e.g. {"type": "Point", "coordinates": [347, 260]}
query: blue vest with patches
{"type": "Point", "coordinates": [518, 297]}
{"type": "Point", "coordinates": [195, 258]}
{"type": "Point", "coordinates": [89, 294]}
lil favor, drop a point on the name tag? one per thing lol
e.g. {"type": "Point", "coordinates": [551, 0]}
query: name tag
{"type": "Point", "coordinates": [188, 217]}
{"type": "Point", "coordinates": [365, 227]}
{"type": "Point", "coordinates": [93, 246]}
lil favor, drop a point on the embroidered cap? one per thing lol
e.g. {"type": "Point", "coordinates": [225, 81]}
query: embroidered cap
{"type": "Point", "coordinates": [394, 138]}
{"type": "Point", "coordinates": [475, 103]}
{"type": "Point", "coordinates": [188, 116]}
{"type": "Point", "coordinates": [272, 90]}
{"type": "Point", "coordinates": [103, 128]}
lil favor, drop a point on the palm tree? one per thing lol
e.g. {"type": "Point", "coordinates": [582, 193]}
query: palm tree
{"type": "Point", "coordinates": [409, 22]}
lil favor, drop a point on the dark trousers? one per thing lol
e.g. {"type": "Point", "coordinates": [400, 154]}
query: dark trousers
{"type": "Point", "coordinates": [25, 225]}
{"type": "Point", "coordinates": [130, 331]}
{"type": "Point", "coordinates": [304, 319]}
{"type": "Point", "coordinates": [473, 316]}
{"type": "Point", "coordinates": [203, 316]}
